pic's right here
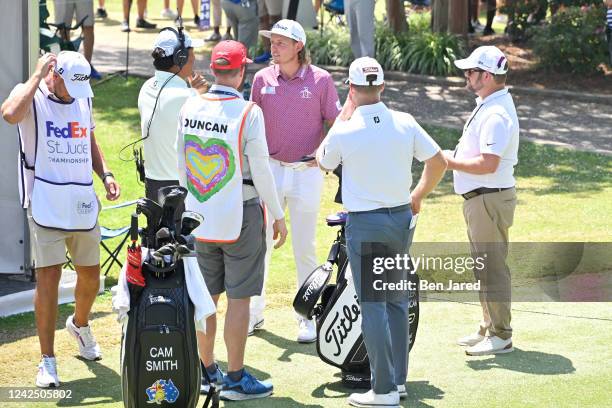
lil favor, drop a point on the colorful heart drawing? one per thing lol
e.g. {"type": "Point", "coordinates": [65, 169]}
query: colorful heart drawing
{"type": "Point", "coordinates": [210, 166]}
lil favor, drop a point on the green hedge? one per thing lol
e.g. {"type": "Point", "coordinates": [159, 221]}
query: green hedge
{"type": "Point", "coordinates": [417, 51]}
{"type": "Point", "coordinates": [573, 41]}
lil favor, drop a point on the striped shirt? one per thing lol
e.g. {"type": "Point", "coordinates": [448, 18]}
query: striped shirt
{"type": "Point", "coordinates": [609, 17]}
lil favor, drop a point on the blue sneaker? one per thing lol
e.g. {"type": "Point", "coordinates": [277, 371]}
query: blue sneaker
{"type": "Point", "coordinates": [216, 378]}
{"type": "Point", "coordinates": [248, 387]}
{"type": "Point", "coordinates": [95, 74]}
{"type": "Point", "coordinates": [263, 58]}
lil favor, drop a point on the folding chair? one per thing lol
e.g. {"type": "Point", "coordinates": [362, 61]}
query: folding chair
{"type": "Point", "coordinates": [335, 8]}
{"type": "Point", "coordinates": [106, 234]}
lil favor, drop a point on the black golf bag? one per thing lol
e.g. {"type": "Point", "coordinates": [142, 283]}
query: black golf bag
{"type": "Point", "coordinates": [337, 313]}
{"type": "Point", "coordinates": [159, 356]}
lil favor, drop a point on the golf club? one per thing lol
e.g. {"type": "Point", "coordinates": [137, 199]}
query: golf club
{"type": "Point", "coordinates": [163, 236]}
{"type": "Point", "coordinates": [190, 220]}
{"type": "Point", "coordinates": [152, 212]}
{"type": "Point", "coordinates": [171, 199]}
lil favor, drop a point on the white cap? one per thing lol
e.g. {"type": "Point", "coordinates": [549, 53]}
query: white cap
{"type": "Point", "coordinates": [168, 40]}
{"type": "Point", "coordinates": [488, 58]}
{"type": "Point", "coordinates": [75, 71]}
{"type": "Point", "coordinates": [287, 28]}
{"type": "Point", "coordinates": [365, 71]}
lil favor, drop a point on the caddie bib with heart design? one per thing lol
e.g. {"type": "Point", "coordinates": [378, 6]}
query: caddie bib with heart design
{"type": "Point", "coordinates": [211, 128]}
{"type": "Point", "coordinates": [63, 196]}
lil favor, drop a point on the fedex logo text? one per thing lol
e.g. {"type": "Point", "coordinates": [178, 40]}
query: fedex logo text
{"type": "Point", "coordinates": [73, 130]}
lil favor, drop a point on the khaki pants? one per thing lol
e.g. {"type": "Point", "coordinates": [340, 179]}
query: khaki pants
{"type": "Point", "coordinates": [488, 218]}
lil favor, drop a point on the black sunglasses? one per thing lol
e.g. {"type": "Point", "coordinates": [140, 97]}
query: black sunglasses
{"type": "Point", "coordinates": [471, 70]}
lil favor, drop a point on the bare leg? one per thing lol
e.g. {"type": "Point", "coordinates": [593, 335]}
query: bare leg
{"type": "Point", "coordinates": [87, 286]}
{"type": "Point", "coordinates": [45, 306]}
{"type": "Point", "coordinates": [88, 42]}
{"type": "Point", "coordinates": [126, 9]}
{"type": "Point", "coordinates": [101, 4]}
{"type": "Point", "coordinates": [142, 5]}
{"type": "Point", "coordinates": [179, 6]}
{"type": "Point", "coordinates": [195, 5]}
{"type": "Point", "coordinates": [236, 329]}
{"type": "Point", "coordinates": [206, 342]}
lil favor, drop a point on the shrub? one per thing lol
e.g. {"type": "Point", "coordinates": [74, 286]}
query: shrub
{"type": "Point", "coordinates": [573, 41]}
{"type": "Point", "coordinates": [524, 14]}
{"type": "Point", "coordinates": [417, 51]}
{"type": "Point", "coordinates": [331, 47]}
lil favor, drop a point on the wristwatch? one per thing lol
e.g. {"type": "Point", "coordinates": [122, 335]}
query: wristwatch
{"type": "Point", "coordinates": [107, 174]}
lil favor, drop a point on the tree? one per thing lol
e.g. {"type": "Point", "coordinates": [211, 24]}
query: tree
{"type": "Point", "coordinates": [396, 15]}
{"type": "Point", "coordinates": [439, 16]}
{"type": "Point", "coordinates": [451, 16]}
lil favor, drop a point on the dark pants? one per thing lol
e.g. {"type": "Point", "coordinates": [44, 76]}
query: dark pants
{"type": "Point", "coordinates": [384, 324]}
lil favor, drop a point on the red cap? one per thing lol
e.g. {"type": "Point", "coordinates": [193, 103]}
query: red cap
{"type": "Point", "coordinates": [232, 51]}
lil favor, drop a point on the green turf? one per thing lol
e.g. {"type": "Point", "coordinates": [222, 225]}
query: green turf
{"type": "Point", "coordinates": [562, 353]}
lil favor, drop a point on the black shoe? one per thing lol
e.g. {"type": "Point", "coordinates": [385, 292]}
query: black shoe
{"type": "Point", "coordinates": [488, 31]}
{"type": "Point", "coordinates": [142, 23]}
{"type": "Point", "coordinates": [101, 13]}
{"type": "Point", "coordinates": [196, 20]}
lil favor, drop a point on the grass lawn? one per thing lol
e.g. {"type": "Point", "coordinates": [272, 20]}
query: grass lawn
{"type": "Point", "coordinates": [562, 357]}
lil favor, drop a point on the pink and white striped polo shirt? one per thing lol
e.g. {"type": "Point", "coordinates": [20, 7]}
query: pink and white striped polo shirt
{"type": "Point", "coordinates": [295, 109]}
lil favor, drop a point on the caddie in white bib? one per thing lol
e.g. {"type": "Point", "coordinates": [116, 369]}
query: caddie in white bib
{"type": "Point", "coordinates": [211, 127]}
{"type": "Point", "coordinates": [63, 196]}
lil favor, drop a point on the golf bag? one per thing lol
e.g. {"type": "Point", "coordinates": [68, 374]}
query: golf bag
{"type": "Point", "coordinates": [159, 356]}
{"type": "Point", "coordinates": [335, 308]}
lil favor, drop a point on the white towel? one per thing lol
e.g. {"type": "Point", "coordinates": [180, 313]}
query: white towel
{"type": "Point", "coordinates": [196, 288]}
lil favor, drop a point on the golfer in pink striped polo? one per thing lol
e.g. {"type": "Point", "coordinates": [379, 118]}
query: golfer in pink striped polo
{"type": "Point", "coordinates": [298, 100]}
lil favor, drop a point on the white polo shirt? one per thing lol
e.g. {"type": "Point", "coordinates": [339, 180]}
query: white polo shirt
{"type": "Point", "coordinates": [160, 146]}
{"type": "Point", "coordinates": [375, 147]}
{"type": "Point", "coordinates": [492, 128]}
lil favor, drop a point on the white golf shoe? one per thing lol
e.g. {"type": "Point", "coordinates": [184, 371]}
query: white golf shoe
{"type": "Point", "coordinates": [490, 345]}
{"type": "Point", "coordinates": [307, 332]}
{"type": "Point", "coordinates": [88, 347]}
{"type": "Point", "coordinates": [47, 373]}
{"type": "Point", "coordinates": [371, 399]}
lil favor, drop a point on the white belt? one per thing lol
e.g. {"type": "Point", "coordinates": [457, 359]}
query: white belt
{"type": "Point", "coordinates": [297, 166]}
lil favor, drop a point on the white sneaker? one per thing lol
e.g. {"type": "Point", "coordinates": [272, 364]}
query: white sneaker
{"type": "Point", "coordinates": [490, 345]}
{"type": "Point", "coordinates": [470, 340]}
{"type": "Point", "coordinates": [307, 332]}
{"type": "Point", "coordinates": [370, 399]}
{"type": "Point", "coordinates": [47, 373]}
{"type": "Point", "coordinates": [169, 14]}
{"type": "Point", "coordinates": [125, 26]}
{"type": "Point", "coordinates": [255, 323]}
{"type": "Point", "coordinates": [401, 390]}
{"type": "Point", "coordinates": [88, 347]}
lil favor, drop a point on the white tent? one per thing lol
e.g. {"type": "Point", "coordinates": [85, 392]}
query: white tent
{"type": "Point", "coordinates": [19, 28]}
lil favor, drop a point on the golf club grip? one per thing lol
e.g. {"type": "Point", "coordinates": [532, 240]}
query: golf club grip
{"type": "Point", "coordinates": [134, 228]}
